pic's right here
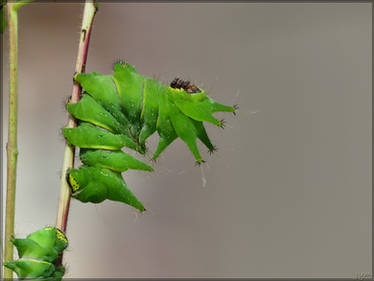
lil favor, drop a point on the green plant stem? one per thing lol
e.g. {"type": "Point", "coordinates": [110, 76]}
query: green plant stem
{"type": "Point", "coordinates": [64, 199]}
{"type": "Point", "coordinates": [11, 147]}
{"type": "Point", "coordinates": [12, 151]}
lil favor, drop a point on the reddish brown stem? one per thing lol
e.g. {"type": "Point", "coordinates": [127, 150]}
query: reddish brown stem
{"type": "Point", "coordinates": [68, 163]}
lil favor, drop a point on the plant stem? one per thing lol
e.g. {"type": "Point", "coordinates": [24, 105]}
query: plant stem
{"type": "Point", "coordinates": [12, 151]}
{"type": "Point", "coordinates": [64, 199]}
{"type": "Point", "coordinates": [11, 147]}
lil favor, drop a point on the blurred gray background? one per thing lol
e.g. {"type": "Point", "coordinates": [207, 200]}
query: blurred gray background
{"type": "Point", "coordinates": [288, 193]}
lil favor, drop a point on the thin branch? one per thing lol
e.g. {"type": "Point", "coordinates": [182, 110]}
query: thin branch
{"type": "Point", "coordinates": [64, 199]}
{"type": "Point", "coordinates": [12, 151]}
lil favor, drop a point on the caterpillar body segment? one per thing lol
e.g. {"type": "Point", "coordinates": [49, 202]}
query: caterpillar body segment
{"type": "Point", "coordinates": [203, 110]}
{"type": "Point", "coordinates": [149, 115]}
{"type": "Point", "coordinates": [91, 111]}
{"type": "Point", "coordinates": [117, 161]}
{"type": "Point", "coordinates": [103, 90]}
{"type": "Point", "coordinates": [87, 135]}
{"type": "Point", "coordinates": [31, 268]}
{"type": "Point", "coordinates": [186, 130]}
{"type": "Point", "coordinates": [202, 135]}
{"type": "Point", "coordinates": [130, 90]}
{"type": "Point", "coordinates": [95, 184]}
{"type": "Point", "coordinates": [38, 253]}
{"type": "Point", "coordinates": [123, 110]}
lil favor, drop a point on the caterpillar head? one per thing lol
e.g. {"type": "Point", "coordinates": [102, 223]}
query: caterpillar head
{"type": "Point", "coordinates": [186, 85]}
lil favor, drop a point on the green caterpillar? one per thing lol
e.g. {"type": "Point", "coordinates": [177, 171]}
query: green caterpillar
{"type": "Point", "coordinates": [123, 110]}
{"type": "Point", "coordinates": [38, 253]}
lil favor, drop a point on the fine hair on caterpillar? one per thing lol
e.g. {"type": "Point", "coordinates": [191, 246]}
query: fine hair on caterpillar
{"type": "Point", "coordinates": [223, 123]}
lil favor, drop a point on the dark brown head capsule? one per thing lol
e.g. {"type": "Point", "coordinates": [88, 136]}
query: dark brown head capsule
{"type": "Point", "coordinates": [173, 83]}
{"type": "Point", "coordinates": [189, 87]}
{"type": "Point", "coordinates": [185, 84]}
